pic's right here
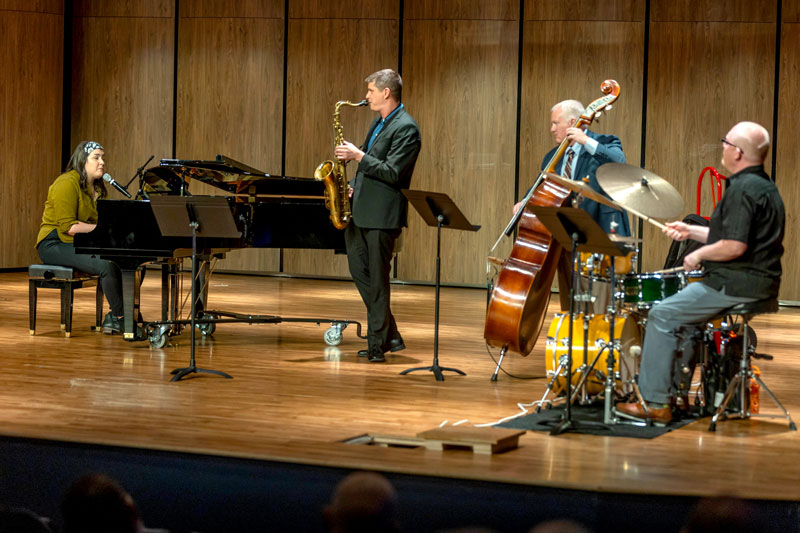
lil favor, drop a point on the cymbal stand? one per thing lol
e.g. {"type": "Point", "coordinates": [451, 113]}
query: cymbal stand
{"type": "Point", "coordinates": [566, 422]}
{"type": "Point", "coordinates": [610, 391]}
{"type": "Point", "coordinates": [587, 299]}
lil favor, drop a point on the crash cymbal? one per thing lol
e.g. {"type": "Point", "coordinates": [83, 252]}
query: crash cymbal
{"type": "Point", "coordinates": [580, 187]}
{"type": "Point", "coordinates": [640, 190]}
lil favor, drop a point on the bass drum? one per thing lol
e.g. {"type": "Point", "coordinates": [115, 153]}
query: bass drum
{"type": "Point", "coordinates": [627, 335]}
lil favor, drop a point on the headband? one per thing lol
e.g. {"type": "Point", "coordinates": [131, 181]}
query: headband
{"type": "Point", "coordinates": [91, 146]}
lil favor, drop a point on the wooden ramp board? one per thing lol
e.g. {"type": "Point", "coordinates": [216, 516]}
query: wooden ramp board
{"type": "Point", "coordinates": [480, 440]}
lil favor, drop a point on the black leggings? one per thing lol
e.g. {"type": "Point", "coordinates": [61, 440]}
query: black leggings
{"type": "Point", "coordinates": [54, 252]}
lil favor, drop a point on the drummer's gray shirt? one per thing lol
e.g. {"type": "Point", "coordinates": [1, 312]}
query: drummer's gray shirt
{"type": "Point", "coordinates": [751, 211]}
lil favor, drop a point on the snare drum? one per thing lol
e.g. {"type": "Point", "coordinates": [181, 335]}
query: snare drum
{"type": "Point", "coordinates": [644, 290]}
{"type": "Point", "coordinates": [627, 336]}
{"type": "Point", "coordinates": [694, 275]}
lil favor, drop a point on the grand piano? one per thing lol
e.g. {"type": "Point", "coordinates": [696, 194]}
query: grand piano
{"type": "Point", "coordinates": [269, 212]}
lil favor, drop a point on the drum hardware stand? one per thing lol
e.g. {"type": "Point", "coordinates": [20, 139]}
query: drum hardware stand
{"type": "Point", "coordinates": [586, 298]}
{"type": "Point", "coordinates": [574, 228]}
{"type": "Point", "coordinates": [564, 360]}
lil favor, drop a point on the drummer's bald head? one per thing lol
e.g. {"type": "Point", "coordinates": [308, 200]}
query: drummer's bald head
{"type": "Point", "coordinates": [752, 139]}
{"type": "Point", "coordinates": [569, 109]}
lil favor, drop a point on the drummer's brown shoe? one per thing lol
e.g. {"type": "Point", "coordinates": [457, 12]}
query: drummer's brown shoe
{"type": "Point", "coordinates": [663, 415]}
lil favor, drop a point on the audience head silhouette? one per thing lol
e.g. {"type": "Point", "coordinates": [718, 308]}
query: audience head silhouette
{"type": "Point", "coordinates": [361, 502]}
{"type": "Point", "coordinates": [95, 503]}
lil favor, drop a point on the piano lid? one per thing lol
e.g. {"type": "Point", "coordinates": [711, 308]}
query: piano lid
{"type": "Point", "coordinates": [229, 175]}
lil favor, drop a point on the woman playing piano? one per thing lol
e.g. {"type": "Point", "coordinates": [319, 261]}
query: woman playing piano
{"type": "Point", "coordinates": [71, 208]}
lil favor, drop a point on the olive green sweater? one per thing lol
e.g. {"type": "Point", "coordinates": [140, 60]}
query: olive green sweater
{"type": "Point", "coordinates": [66, 205]}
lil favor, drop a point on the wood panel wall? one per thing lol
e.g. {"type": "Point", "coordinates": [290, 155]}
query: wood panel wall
{"type": "Point", "coordinates": [31, 52]}
{"type": "Point", "coordinates": [122, 57]}
{"type": "Point", "coordinates": [230, 94]}
{"type": "Point", "coordinates": [460, 69]}
{"type": "Point", "coordinates": [788, 157]}
{"type": "Point", "coordinates": [710, 64]}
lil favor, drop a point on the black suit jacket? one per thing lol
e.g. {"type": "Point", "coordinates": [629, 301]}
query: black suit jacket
{"type": "Point", "coordinates": [609, 150]}
{"type": "Point", "coordinates": [384, 171]}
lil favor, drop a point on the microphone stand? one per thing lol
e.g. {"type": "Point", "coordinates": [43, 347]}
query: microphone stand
{"type": "Point", "coordinates": [140, 193]}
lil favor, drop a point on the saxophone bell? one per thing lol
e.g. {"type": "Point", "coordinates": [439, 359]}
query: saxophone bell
{"type": "Point", "coordinates": [334, 175]}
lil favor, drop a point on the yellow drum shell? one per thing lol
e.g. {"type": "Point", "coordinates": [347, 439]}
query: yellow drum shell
{"type": "Point", "coordinates": [623, 264]}
{"type": "Point", "coordinates": [626, 334]}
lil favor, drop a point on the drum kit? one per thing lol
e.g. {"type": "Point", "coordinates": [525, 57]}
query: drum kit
{"type": "Point", "coordinates": [604, 354]}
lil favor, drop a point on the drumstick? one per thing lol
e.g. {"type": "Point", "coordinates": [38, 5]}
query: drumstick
{"type": "Point", "coordinates": [668, 270]}
{"type": "Point", "coordinates": [642, 216]}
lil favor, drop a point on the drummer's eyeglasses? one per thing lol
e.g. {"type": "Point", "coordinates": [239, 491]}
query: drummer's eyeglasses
{"type": "Point", "coordinates": [726, 141]}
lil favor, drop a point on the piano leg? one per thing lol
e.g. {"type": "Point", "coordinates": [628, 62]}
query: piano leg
{"type": "Point", "coordinates": [130, 301]}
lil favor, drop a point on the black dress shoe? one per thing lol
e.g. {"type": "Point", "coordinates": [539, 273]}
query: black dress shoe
{"type": "Point", "coordinates": [376, 356]}
{"type": "Point", "coordinates": [395, 345]}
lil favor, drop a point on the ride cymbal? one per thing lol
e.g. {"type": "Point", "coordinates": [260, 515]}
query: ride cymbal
{"type": "Point", "coordinates": [640, 190]}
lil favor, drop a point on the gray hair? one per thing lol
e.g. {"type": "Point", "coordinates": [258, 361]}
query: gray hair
{"type": "Point", "coordinates": [387, 78]}
{"type": "Point", "coordinates": [570, 108]}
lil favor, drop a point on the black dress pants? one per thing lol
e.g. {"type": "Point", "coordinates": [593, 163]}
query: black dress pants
{"type": "Point", "coordinates": [369, 256]}
{"type": "Point", "coordinates": [54, 252]}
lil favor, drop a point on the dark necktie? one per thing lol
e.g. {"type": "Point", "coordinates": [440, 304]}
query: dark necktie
{"type": "Point", "coordinates": [568, 167]}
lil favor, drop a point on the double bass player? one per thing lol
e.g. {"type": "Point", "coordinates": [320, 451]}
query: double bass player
{"type": "Point", "coordinates": [586, 152]}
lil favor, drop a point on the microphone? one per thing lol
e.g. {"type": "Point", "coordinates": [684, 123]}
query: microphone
{"type": "Point", "coordinates": [108, 179]}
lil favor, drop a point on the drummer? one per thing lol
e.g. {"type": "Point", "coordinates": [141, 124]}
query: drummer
{"type": "Point", "coordinates": [586, 151]}
{"type": "Point", "coordinates": [741, 259]}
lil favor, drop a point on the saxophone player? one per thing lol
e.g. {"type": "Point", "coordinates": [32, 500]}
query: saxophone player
{"type": "Point", "coordinates": [379, 210]}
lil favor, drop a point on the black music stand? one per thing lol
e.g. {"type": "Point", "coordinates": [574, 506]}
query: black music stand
{"type": "Point", "coordinates": [437, 209]}
{"type": "Point", "coordinates": [577, 231]}
{"type": "Point", "coordinates": [190, 216]}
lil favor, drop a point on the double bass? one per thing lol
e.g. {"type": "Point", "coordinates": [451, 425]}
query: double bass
{"type": "Point", "coordinates": [521, 290]}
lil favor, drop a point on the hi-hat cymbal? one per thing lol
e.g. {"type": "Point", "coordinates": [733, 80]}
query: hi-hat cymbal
{"type": "Point", "coordinates": [640, 190]}
{"type": "Point", "coordinates": [581, 188]}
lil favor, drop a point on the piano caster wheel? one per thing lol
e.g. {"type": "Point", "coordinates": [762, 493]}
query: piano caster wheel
{"type": "Point", "coordinates": [333, 335]}
{"type": "Point", "coordinates": [207, 328]}
{"type": "Point", "coordinates": [158, 337]}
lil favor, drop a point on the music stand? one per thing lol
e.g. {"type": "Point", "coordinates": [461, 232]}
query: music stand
{"type": "Point", "coordinates": [576, 230]}
{"type": "Point", "coordinates": [190, 216]}
{"type": "Point", "coordinates": [437, 209]}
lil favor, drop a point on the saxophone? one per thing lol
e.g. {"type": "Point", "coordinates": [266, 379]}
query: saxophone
{"type": "Point", "coordinates": [333, 173]}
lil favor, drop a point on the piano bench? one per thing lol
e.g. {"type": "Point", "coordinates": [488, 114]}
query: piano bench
{"type": "Point", "coordinates": [67, 279]}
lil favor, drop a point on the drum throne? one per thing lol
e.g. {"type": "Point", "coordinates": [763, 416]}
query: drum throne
{"type": "Point", "coordinates": [741, 380]}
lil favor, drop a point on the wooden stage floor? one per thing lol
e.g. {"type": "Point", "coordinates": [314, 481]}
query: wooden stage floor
{"type": "Point", "coordinates": [294, 399]}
